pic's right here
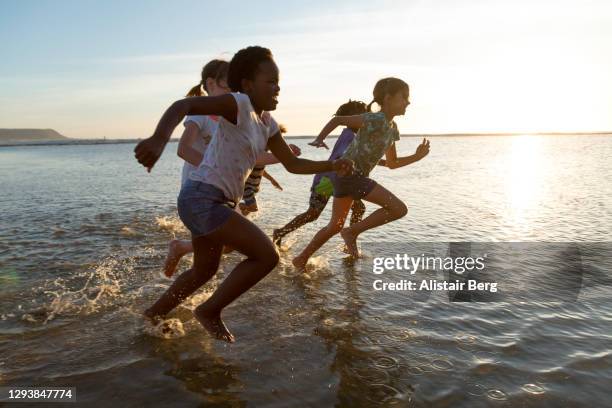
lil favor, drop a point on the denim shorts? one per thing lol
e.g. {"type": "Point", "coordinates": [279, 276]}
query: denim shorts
{"type": "Point", "coordinates": [355, 186]}
{"type": "Point", "coordinates": [203, 207]}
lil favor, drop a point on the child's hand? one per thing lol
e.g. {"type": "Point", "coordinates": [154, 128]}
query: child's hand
{"type": "Point", "coordinates": [423, 149]}
{"type": "Point", "coordinates": [318, 143]}
{"type": "Point", "coordinates": [343, 167]}
{"type": "Point", "coordinates": [296, 150]}
{"type": "Point", "coordinates": [147, 152]}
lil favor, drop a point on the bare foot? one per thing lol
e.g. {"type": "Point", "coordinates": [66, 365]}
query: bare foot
{"type": "Point", "coordinates": [276, 238]}
{"type": "Point", "coordinates": [246, 209]}
{"type": "Point", "coordinates": [214, 325]}
{"type": "Point", "coordinates": [176, 250]}
{"type": "Point", "coordinates": [351, 242]}
{"type": "Point", "coordinates": [299, 262]}
{"type": "Point", "coordinates": [152, 318]}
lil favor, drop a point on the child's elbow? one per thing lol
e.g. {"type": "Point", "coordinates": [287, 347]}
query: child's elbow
{"type": "Point", "coordinates": [292, 165]}
{"type": "Point", "coordinates": [180, 152]}
{"type": "Point", "coordinates": [392, 165]}
{"type": "Point", "coordinates": [181, 107]}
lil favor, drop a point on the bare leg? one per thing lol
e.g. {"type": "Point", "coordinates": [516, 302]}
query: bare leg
{"type": "Point", "coordinates": [176, 250]}
{"type": "Point", "coordinates": [246, 209]}
{"type": "Point", "coordinates": [340, 210]}
{"type": "Point", "coordinates": [357, 211]}
{"type": "Point", "coordinates": [205, 264]}
{"type": "Point", "coordinates": [392, 208]}
{"type": "Point", "coordinates": [310, 215]}
{"type": "Point", "coordinates": [261, 259]}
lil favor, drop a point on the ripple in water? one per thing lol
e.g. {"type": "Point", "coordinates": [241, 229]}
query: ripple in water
{"type": "Point", "coordinates": [476, 389]}
{"type": "Point", "coordinates": [533, 389]}
{"type": "Point", "coordinates": [402, 335]}
{"type": "Point", "coordinates": [415, 370]}
{"type": "Point", "coordinates": [486, 356]}
{"type": "Point", "coordinates": [371, 375]}
{"type": "Point", "coordinates": [385, 362]}
{"type": "Point", "coordinates": [497, 395]}
{"type": "Point", "coordinates": [382, 393]}
{"type": "Point", "coordinates": [442, 365]}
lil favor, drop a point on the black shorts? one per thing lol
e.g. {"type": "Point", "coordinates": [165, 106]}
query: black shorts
{"type": "Point", "coordinates": [355, 186]}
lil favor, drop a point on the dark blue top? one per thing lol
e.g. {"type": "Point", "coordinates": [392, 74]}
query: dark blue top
{"type": "Point", "coordinates": [343, 141]}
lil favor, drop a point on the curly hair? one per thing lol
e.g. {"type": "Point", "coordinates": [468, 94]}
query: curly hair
{"type": "Point", "coordinates": [244, 65]}
{"type": "Point", "coordinates": [351, 108]}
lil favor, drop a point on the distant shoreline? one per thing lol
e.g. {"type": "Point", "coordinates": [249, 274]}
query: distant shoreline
{"type": "Point", "coordinates": [68, 141]}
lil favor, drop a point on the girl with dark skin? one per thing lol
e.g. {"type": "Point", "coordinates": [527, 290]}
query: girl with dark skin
{"type": "Point", "coordinates": [253, 73]}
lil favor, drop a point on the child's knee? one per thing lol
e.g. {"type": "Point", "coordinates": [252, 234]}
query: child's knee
{"type": "Point", "coordinates": [269, 258]}
{"type": "Point", "coordinates": [313, 214]}
{"type": "Point", "coordinates": [401, 210]}
{"type": "Point", "coordinates": [335, 227]}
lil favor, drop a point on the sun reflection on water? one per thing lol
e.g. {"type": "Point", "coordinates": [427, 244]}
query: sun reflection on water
{"type": "Point", "coordinates": [525, 176]}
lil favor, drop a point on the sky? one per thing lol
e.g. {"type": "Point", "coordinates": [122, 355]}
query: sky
{"type": "Point", "coordinates": [93, 69]}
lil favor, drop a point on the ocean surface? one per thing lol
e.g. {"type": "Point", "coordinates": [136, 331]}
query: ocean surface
{"type": "Point", "coordinates": [84, 232]}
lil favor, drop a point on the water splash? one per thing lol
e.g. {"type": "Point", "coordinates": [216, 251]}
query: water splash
{"type": "Point", "coordinates": [170, 224]}
{"type": "Point", "coordinates": [129, 232]}
{"type": "Point", "coordinates": [82, 294]}
{"type": "Point", "coordinates": [165, 329]}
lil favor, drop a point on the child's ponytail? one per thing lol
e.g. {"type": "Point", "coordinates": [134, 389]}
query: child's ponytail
{"type": "Point", "coordinates": [369, 107]}
{"type": "Point", "coordinates": [215, 69]}
{"type": "Point", "coordinates": [384, 87]}
{"type": "Point", "coordinates": [196, 90]}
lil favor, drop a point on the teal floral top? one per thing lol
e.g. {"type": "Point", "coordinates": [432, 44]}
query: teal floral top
{"type": "Point", "coordinates": [371, 142]}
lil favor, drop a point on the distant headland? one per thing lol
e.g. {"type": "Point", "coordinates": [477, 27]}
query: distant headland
{"type": "Point", "coordinates": [36, 137]}
{"type": "Point", "coordinates": [27, 135]}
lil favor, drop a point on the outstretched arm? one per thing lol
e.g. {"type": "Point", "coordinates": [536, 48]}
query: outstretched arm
{"type": "Point", "coordinates": [148, 151]}
{"type": "Point", "coordinates": [354, 122]}
{"type": "Point", "coordinates": [293, 164]}
{"type": "Point", "coordinates": [394, 162]}
{"type": "Point", "coordinates": [266, 158]}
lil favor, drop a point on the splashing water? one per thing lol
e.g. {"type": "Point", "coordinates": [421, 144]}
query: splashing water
{"type": "Point", "coordinates": [165, 329]}
{"type": "Point", "coordinates": [94, 291]}
{"type": "Point", "coordinates": [170, 224]}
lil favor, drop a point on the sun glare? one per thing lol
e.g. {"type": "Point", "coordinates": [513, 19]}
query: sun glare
{"type": "Point", "coordinates": [525, 175]}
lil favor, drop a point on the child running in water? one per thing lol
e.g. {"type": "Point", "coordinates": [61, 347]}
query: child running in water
{"type": "Point", "coordinates": [376, 137]}
{"type": "Point", "coordinates": [207, 199]}
{"type": "Point", "coordinates": [196, 137]}
{"type": "Point", "coordinates": [321, 189]}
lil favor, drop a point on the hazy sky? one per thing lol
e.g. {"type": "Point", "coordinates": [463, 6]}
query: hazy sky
{"type": "Point", "coordinates": [109, 68]}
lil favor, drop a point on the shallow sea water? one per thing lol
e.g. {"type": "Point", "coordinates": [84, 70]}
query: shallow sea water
{"type": "Point", "coordinates": [84, 232]}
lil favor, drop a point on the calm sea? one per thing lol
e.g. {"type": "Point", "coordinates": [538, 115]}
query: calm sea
{"type": "Point", "coordinates": [84, 232]}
